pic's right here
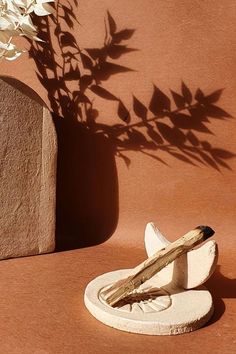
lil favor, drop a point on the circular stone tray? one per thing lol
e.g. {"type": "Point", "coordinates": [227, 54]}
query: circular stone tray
{"type": "Point", "coordinates": [151, 310]}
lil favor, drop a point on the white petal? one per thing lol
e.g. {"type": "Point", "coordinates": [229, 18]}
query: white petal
{"type": "Point", "coordinates": [6, 23]}
{"type": "Point", "coordinates": [13, 55]}
{"type": "Point", "coordinates": [44, 1]}
{"type": "Point", "coordinates": [43, 9]}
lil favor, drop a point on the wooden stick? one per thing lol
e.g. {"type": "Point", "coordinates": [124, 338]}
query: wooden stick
{"type": "Point", "coordinates": [155, 263]}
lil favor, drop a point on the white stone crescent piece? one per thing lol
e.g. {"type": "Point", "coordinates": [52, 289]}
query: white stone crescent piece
{"type": "Point", "coordinates": [171, 302]}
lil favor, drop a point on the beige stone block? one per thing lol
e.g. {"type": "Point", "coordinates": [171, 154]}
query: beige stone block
{"type": "Point", "coordinates": [27, 172]}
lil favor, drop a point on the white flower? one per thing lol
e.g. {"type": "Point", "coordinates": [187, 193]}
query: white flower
{"type": "Point", "coordinates": [9, 51]}
{"type": "Point", "coordinates": [42, 8]}
{"type": "Point", "coordinates": [15, 20]}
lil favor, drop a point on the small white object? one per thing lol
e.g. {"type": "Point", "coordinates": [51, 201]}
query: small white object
{"type": "Point", "coordinates": [162, 305]}
{"type": "Point", "coordinates": [189, 270]}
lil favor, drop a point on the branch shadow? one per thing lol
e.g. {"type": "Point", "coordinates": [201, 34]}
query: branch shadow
{"type": "Point", "coordinates": [160, 127]}
{"type": "Point", "coordinates": [87, 182]}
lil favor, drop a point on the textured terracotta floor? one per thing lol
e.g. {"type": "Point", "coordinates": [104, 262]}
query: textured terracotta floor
{"type": "Point", "coordinates": [42, 310]}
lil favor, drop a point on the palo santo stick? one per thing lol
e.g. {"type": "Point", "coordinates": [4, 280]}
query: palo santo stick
{"type": "Point", "coordinates": [155, 263]}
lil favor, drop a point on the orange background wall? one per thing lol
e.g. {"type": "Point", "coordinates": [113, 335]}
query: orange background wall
{"type": "Point", "coordinates": [187, 40]}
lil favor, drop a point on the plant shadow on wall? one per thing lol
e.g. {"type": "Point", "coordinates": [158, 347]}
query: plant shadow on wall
{"type": "Point", "coordinates": [87, 185]}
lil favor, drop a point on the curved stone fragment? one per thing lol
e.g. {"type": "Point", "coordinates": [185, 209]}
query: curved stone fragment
{"type": "Point", "coordinates": [189, 270]}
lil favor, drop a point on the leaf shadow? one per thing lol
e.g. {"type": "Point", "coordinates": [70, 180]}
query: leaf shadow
{"type": "Point", "coordinates": [172, 125]}
{"type": "Point", "coordinates": [87, 184]}
{"type": "Point", "coordinates": [168, 124]}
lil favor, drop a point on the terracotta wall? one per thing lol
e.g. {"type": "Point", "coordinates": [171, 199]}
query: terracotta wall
{"type": "Point", "coordinates": [102, 194]}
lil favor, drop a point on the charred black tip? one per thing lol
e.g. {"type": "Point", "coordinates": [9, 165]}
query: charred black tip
{"type": "Point", "coordinates": [207, 231]}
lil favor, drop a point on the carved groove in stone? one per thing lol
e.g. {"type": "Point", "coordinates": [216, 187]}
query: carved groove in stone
{"type": "Point", "coordinates": [146, 300]}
